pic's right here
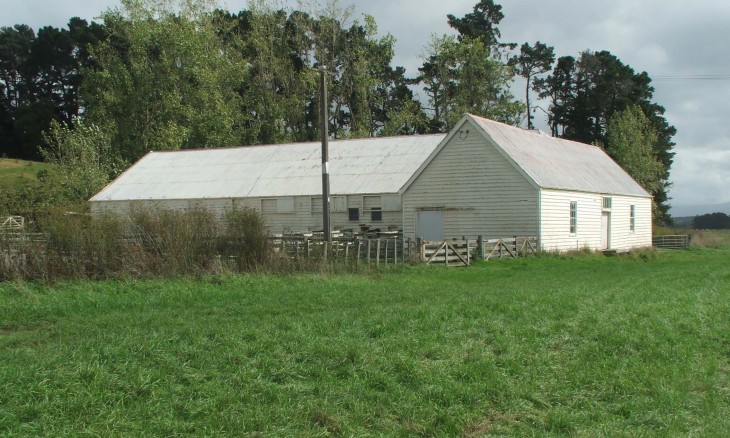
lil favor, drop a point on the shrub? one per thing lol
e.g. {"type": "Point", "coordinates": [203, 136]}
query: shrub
{"type": "Point", "coordinates": [147, 243]}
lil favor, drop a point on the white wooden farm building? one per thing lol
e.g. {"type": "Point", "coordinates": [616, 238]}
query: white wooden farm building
{"type": "Point", "coordinates": [483, 178]}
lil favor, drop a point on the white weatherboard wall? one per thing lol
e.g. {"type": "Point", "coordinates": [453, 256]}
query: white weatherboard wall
{"type": "Point", "coordinates": [296, 214]}
{"type": "Point", "coordinates": [622, 237]}
{"type": "Point", "coordinates": [478, 190]}
{"type": "Point", "coordinates": [555, 221]}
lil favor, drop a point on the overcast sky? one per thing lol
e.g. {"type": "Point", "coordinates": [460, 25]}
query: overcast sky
{"type": "Point", "coordinates": [682, 45]}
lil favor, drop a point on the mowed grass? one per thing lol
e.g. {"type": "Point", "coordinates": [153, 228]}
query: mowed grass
{"type": "Point", "coordinates": [14, 173]}
{"type": "Point", "coordinates": [584, 346]}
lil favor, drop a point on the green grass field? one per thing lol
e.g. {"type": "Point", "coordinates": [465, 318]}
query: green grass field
{"type": "Point", "coordinates": [17, 172]}
{"type": "Point", "coordinates": [584, 346]}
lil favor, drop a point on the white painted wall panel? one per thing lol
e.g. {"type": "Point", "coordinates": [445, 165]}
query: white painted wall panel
{"type": "Point", "coordinates": [555, 228]}
{"type": "Point", "coordinates": [556, 221]}
{"type": "Point", "coordinates": [479, 191]}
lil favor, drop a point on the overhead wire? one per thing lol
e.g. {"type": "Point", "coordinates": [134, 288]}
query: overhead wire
{"type": "Point", "coordinates": [722, 77]}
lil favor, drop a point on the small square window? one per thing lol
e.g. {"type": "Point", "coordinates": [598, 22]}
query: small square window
{"type": "Point", "coordinates": [353, 214]}
{"type": "Point", "coordinates": [376, 215]}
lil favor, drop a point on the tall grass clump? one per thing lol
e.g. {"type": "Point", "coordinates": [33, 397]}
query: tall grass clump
{"type": "Point", "coordinates": [710, 238]}
{"type": "Point", "coordinates": [147, 243]}
{"type": "Point", "coordinates": [171, 242]}
{"type": "Point", "coordinates": [243, 239]}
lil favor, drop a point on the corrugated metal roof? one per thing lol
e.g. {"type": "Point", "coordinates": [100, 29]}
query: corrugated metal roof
{"type": "Point", "coordinates": [371, 165]}
{"type": "Point", "coordinates": [561, 164]}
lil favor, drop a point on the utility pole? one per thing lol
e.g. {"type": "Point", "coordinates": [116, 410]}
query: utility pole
{"type": "Point", "coordinates": [324, 119]}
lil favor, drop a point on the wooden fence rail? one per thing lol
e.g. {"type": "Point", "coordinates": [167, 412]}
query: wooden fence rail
{"type": "Point", "coordinates": [394, 250]}
{"type": "Point", "coordinates": [13, 223]}
{"type": "Point", "coordinates": [384, 250]}
{"type": "Point", "coordinates": [513, 247]}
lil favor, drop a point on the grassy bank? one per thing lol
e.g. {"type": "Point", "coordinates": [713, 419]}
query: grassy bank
{"type": "Point", "coordinates": [591, 346]}
{"type": "Point", "coordinates": [17, 172]}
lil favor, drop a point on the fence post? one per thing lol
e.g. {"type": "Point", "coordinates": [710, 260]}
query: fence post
{"type": "Point", "coordinates": [515, 246]}
{"type": "Point", "coordinates": [468, 253]}
{"type": "Point", "coordinates": [480, 246]}
{"type": "Point", "coordinates": [377, 253]}
{"type": "Point", "coordinates": [419, 244]}
{"type": "Point", "coordinates": [395, 250]}
{"type": "Point", "coordinates": [369, 249]}
{"type": "Point", "coordinates": [306, 248]}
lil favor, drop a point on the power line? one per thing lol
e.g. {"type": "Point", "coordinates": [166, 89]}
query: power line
{"type": "Point", "coordinates": [723, 77]}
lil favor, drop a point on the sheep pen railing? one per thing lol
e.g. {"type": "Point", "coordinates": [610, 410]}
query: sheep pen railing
{"type": "Point", "coordinates": [394, 250]}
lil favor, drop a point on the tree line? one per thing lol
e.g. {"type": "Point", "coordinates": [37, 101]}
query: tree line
{"type": "Point", "coordinates": [95, 97]}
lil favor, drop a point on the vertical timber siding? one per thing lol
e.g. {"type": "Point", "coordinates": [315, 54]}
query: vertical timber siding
{"type": "Point", "coordinates": [479, 191]}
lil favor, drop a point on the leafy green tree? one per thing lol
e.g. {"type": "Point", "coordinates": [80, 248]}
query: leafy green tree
{"type": "Point", "coordinates": [585, 94]}
{"type": "Point", "coordinates": [632, 142]}
{"type": "Point", "coordinates": [285, 50]}
{"type": "Point", "coordinates": [460, 77]}
{"type": "Point", "coordinates": [280, 85]}
{"type": "Point", "coordinates": [711, 221]}
{"type": "Point", "coordinates": [40, 75]}
{"type": "Point", "coordinates": [370, 97]}
{"type": "Point", "coordinates": [16, 84]}
{"type": "Point", "coordinates": [81, 165]}
{"type": "Point", "coordinates": [530, 63]}
{"type": "Point", "coordinates": [482, 24]}
{"type": "Point", "coordinates": [559, 89]}
{"type": "Point", "coordinates": [165, 80]}
{"type": "Point", "coordinates": [82, 160]}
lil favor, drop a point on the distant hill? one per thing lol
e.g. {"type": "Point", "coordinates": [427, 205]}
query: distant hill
{"type": "Point", "coordinates": [16, 172]}
{"type": "Point", "coordinates": [683, 221]}
{"type": "Point", "coordinates": [695, 210]}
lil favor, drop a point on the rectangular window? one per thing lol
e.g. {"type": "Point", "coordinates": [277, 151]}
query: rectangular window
{"type": "Point", "coordinates": [632, 222]}
{"type": "Point", "coordinates": [277, 205]}
{"type": "Point", "coordinates": [607, 203]}
{"type": "Point", "coordinates": [573, 217]}
{"type": "Point", "coordinates": [285, 205]}
{"type": "Point", "coordinates": [316, 203]}
{"type": "Point", "coordinates": [338, 204]}
{"type": "Point", "coordinates": [268, 206]}
{"type": "Point", "coordinates": [376, 214]}
{"type": "Point", "coordinates": [353, 214]}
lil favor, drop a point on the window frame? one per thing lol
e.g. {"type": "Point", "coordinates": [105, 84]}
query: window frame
{"type": "Point", "coordinates": [376, 214]}
{"type": "Point", "coordinates": [573, 229]}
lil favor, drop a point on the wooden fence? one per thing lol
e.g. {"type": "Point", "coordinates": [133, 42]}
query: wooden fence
{"type": "Point", "coordinates": [383, 250]}
{"type": "Point", "coordinates": [379, 251]}
{"type": "Point", "coordinates": [12, 223]}
{"type": "Point", "coordinates": [394, 250]}
{"type": "Point", "coordinates": [677, 241]}
{"type": "Point", "coordinates": [461, 252]}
